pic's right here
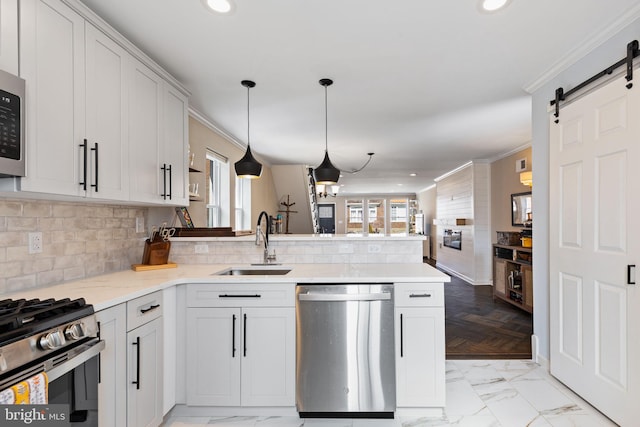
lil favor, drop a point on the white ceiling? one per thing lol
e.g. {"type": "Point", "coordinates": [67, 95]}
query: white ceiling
{"type": "Point", "coordinates": [426, 85]}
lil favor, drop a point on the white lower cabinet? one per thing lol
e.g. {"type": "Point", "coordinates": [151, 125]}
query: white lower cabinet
{"type": "Point", "coordinates": [144, 361]}
{"type": "Point", "coordinates": [112, 402]}
{"type": "Point", "coordinates": [241, 349]}
{"type": "Point", "coordinates": [420, 345]}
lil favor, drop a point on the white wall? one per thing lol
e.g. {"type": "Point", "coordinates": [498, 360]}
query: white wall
{"type": "Point", "coordinates": [465, 194]}
{"type": "Point", "coordinates": [595, 61]}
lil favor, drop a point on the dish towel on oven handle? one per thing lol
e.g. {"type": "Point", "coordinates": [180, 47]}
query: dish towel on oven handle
{"type": "Point", "coordinates": [39, 389]}
{"type": "Point", "coordinates": [33, 391]}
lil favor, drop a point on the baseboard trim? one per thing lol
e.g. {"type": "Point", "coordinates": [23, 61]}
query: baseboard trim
{"type": "Point", "coordinates": [461, 276]}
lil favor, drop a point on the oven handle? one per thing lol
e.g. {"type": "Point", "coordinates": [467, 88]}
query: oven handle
{"type": "Point", "coordinates": [345, 297]}
{"type": "Point", "coordinates": [78, 355]}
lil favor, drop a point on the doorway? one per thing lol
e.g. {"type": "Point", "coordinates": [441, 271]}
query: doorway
{"type": "Point", "coordinates": [327, 217]}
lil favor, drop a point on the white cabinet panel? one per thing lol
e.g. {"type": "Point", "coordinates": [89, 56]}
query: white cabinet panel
{"type": "Point", "coordinates": [213, 356]}
{"type": "Point", "coordinates": [420, 345]}
{"type": "Point", "coordinates": [268, 357]}
{"type": "Point", "coordinates": [144, 375]}
{"type": "Point", "coordinates": [52, 63]}
{"type": "Point", "coordinates": [106, 116]}
{"type": "Point", "coordinates": [420, 370]}
{"type": "Point", "coordinates": [112, 402]}
{"type": "Point", "coordinates": [9, 36]}
{"type": "Point", "coordinates": [145, 110]}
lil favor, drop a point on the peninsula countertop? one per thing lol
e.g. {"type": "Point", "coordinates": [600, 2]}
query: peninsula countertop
{"type": "Point", "coordinates": [111, 289]}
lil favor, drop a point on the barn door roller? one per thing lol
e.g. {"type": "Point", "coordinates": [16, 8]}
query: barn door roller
{"type": "Point", "coordinates": [632, 52]}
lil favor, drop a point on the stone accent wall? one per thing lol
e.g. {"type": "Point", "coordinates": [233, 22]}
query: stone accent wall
{"type": "Point", "coordinates": [79, 240]}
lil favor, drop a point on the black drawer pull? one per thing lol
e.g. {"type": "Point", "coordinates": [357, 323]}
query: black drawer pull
{"type": "Point", "coordinates": [420, 296]}
{"type": "Point", "coordinates": [145, 310]}
{"type": "Point", "coordinates": [239, 296]}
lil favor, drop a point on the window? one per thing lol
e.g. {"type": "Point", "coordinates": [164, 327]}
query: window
{"type": "Point", "coordinates": [355, 219]}
{"type": "Point", "coordinates": [243, 204]}
{"type": "Point", "coordinates": [218, 200]}
{"type": "Point", "coordinates": [376, 219]}
{"type": "Point", "coordinates": [399, 216]}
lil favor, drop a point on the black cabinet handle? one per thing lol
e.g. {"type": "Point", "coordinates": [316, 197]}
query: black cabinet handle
{"type": "Point", "coordinates": [95, 149]}
{"type": "Point", "coordinates": [84, 163]}
{"type": "Point", "coordinates": [420, 296]}
{"type": "Point", "coordinates": [146, 310]}
{"type": "Point", "coordinates": [137, 381]}
{"type": "Point", "coordinates": [233, 336]}
{"type": "Point", "coordinates": [244, 336]}
{"type": "Point", "coordinates": [164, 181]}
{"type": "Point", "coordinates": [631, 278]}
{"type": "Point", "coordinates": [170, 186]}
{"type": "Point", "coordinates": [401, 336]}
{"type": "Point", "coordinates": [239, 296]}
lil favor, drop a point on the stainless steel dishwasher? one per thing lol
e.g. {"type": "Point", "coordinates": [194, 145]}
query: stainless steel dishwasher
{"type": "Point", "coordinates": [345, 350]}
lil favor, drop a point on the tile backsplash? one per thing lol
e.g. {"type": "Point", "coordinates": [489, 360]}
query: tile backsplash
{"type": "Point", "coordinates": [79, 240]}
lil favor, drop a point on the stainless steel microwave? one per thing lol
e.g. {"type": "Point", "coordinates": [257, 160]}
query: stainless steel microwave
{"type": "Point", "coordinates": [12, 149]}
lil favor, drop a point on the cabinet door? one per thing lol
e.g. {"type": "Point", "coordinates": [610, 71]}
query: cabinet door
{"type": "Point", "coordinates": [175, 145]}
{"type": "Point", "coordinates": [9, 36]}
{"type": "Point", "coordinates": [527, 286]}
{"type": "Point", "coordinates": [145, 107]}
{"type": "Point", "coordinates": [213, 356]}
{"type": "Point", "coordinates": [112, 402]}
{"type": "Point", "coordinates": [499, 276]}
{"type": "Point", "coordinates": [52, 63]}
{"type": "Point", "coordinates": [420, 357]}
{"type": "Point", "coordinates": [144, 390]}
{"type": "Point", "coordinates": [268, 357]}
{"type": "Point", "coordinates": [106, 117]}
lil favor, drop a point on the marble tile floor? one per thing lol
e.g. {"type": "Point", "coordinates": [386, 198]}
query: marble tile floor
{"type": "Point", "coordinates": [480, 393]}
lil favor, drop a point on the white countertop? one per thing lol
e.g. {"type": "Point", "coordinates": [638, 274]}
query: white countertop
{"type": "Point", "coordinates": [111, 289]}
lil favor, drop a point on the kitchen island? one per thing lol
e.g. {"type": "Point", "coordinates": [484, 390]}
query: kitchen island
{"type": "Point", "coordinates": [218, 344]}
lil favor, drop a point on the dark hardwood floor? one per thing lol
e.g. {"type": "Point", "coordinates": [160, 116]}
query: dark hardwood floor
{"type": "Point", "coordinates": [476, 327]}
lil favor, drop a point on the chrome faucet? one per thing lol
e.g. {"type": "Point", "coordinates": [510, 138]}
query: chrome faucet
{"type": "Point", "coordinates": [267, 258]}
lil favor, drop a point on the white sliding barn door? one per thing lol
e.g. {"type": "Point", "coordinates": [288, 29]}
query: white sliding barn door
{"type": "Point", "coordinates": [594, 233]}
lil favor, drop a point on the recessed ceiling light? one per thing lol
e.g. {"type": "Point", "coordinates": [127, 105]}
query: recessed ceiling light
{"type": "Point", "coordinates": [413, 174]}
{"type": "Point", "coordinates": [219, 6]}
{"type": "Point", "coordinates": [493, 5]}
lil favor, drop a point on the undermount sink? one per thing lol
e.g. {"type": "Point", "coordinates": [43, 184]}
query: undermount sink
{"type": "Point", "coordinates": [248, 271]}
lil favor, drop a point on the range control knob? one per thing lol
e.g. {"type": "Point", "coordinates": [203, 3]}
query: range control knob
{"type": "Point", "coordinates": [52, 340]}
{"type": "Point", "coordinates": [74, 332]}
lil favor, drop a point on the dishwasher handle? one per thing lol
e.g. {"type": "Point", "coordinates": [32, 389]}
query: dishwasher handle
{"type": "Point", "coordinates": [309, 296]}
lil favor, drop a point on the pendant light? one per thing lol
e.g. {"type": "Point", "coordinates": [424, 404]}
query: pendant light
{"type": "Point", "coordinates": [248, 166]}
{"type": "Point", "coordinates": [326, 173]}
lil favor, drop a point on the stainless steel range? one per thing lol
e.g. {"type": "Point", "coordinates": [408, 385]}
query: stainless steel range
{"type": "Point", "coordinates": [59, 338]}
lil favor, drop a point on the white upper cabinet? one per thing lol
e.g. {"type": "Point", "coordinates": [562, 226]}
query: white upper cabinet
{"type": "Point", "coordinates": [9, 36]}
{"type": "Point", "coordinates": [145, 107]}
{"type": "Point", "coordinates": [52, 63]}
{"type": "Point", "coordinates": [106, 117]}
{"type": "Point", "coordinates": [174, 150]}
{"type": "Point", "coordinates": [103, 121]}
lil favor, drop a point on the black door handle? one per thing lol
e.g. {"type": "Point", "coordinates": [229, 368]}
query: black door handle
{"type": "Point", "coordinates": [233, 336]}
{"type": "Point", "coordinates": [244, 336]}
{"type": "Point", "coordinates": [95, 149]}
{"type": "Point", "coordinates": [401, 336]}
{"type": "Point", "coordinates": [631, 274]}
{"type": "Point", "coordinates": [84, 163]}
{"type": "Point", "coordinates": [137, 381]}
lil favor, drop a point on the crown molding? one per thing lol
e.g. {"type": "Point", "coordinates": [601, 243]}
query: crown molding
{"type": "Point", "coordinates": [586, 47]}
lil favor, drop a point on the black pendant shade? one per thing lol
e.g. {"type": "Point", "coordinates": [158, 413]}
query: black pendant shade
{"type": "Point", "coordinates": [248, 166]}
{"type": "Point", "coordinates": [326, 173]}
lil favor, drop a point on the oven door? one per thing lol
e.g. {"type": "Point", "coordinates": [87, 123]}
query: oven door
{"type": "Point", "coordinates": [73, 380]}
